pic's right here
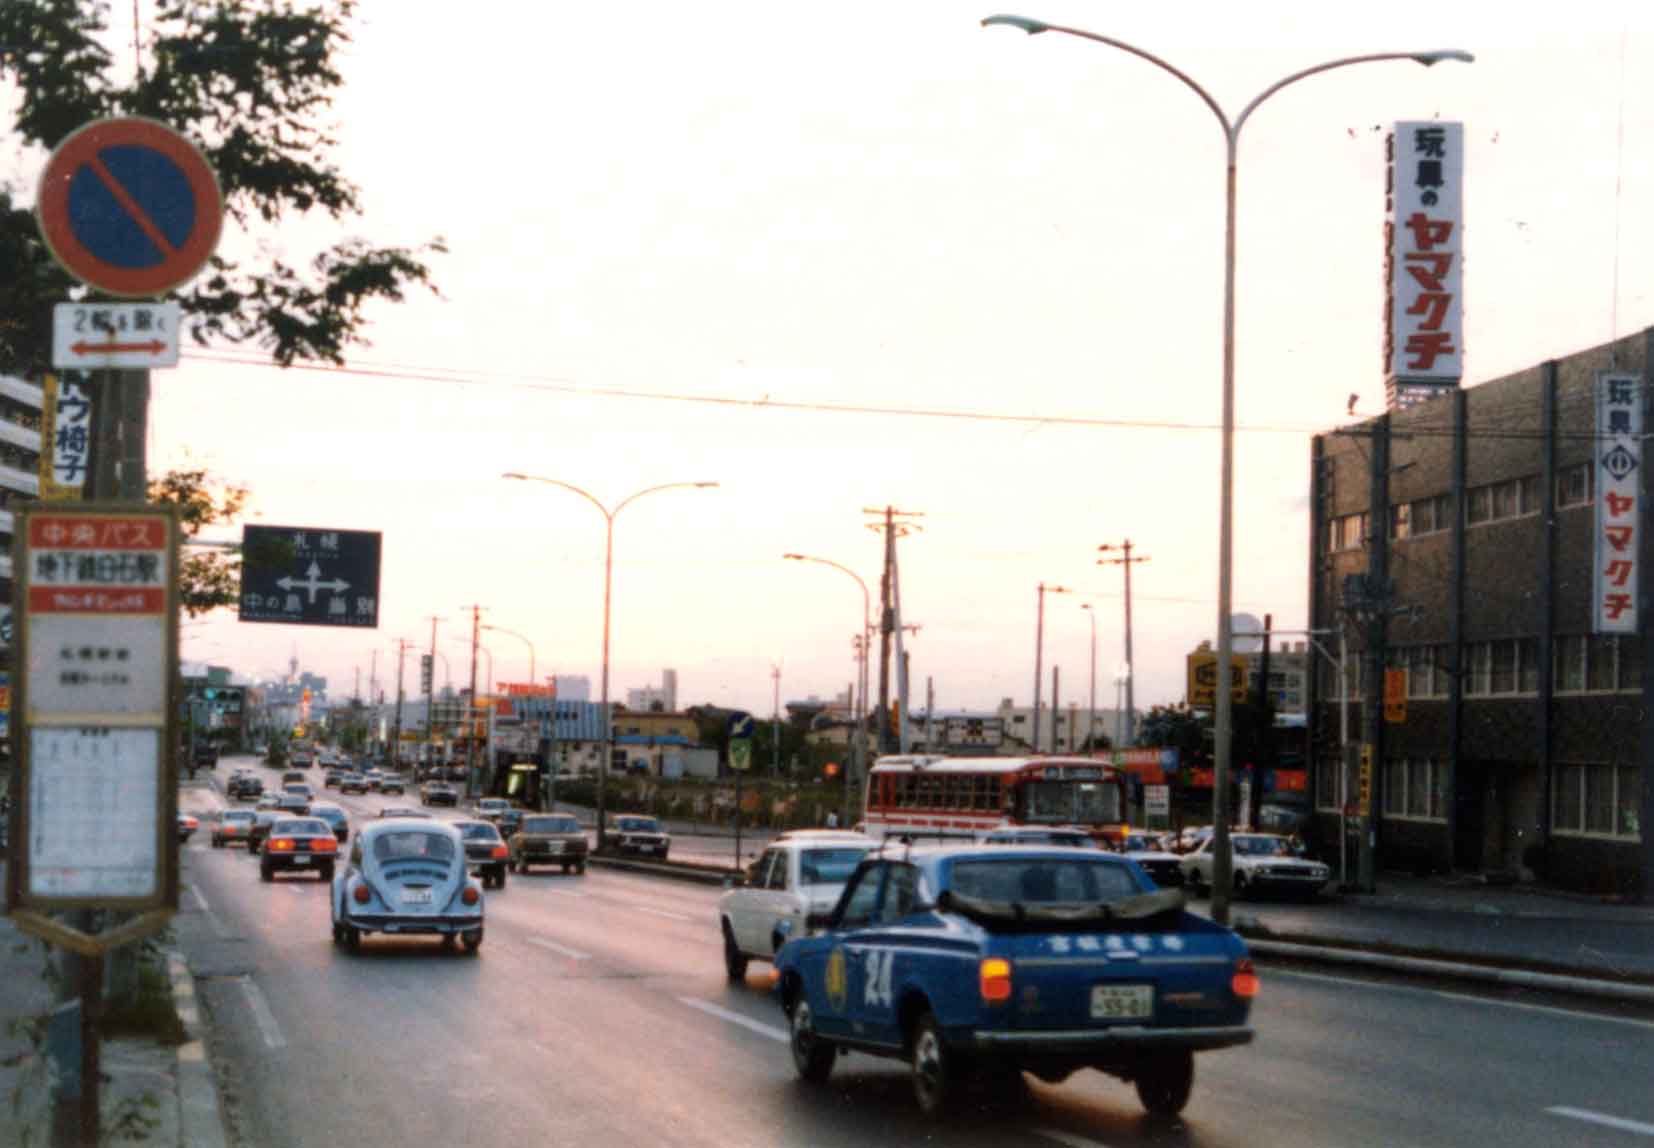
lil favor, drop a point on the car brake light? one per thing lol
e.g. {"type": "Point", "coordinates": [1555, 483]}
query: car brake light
{"type": "Point", "coordinates": [324, 845]}
{"type": "Point", "coordinates": [470, 896]}
{"type": "Point", "coordinates": [500, 852]}
{"type": "Point", "coordinates": [995, 973]}
{"type": "Point", "coordinates": [361, 894]}
{"type": "Point", "coordinates": [1245, 981]}
{"type": "Point", "coordinates": [282, 845]}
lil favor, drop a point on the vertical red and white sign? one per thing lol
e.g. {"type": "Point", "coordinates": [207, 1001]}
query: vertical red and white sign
{"type": "Point", "coordinates": [1424, 340]}
{"type": "Point", "coordinates": [1618, 461]}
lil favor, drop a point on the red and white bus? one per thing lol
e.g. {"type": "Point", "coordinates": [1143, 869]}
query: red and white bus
{"type": "Point", "coordinates": [922, 796]}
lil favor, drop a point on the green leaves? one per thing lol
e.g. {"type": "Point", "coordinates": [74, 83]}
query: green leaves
{"type": "Point", "coordinates": [207, 579]}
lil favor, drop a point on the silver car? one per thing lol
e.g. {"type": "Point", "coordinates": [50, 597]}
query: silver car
{"type": "Point", "coordinates": [407, 877]}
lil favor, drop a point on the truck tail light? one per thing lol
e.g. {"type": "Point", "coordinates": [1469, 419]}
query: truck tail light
{"type": "Point", "coordinates": [995, 974]}
{"type": "Point", "coordinates": [500, 853]}
{"type": "Point", "coordinates": [361, 895]}
{"type": "Point", "coordinates": [470, 896]}
{"type": "Point", "coordinates": [1244, 982]}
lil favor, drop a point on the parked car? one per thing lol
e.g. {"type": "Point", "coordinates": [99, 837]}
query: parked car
{"type": "Point", "coordinates": [1010, 960]}
{"type": "Point", "coordinates": [486, 851]}
{"type": "Point", "coordinates": [407, 877]}
{"type": "Point", "coordinates": [632, 834]}
{"type": "Point", "coordinates": [234, 827]}
{"type": "Point", "coordinates": [438, 793]}
{"type": "Point", "coordinates": [549, 839]}
{"type": "Point", "coordinates": [1041, 835]}
{"type": "Point", "coordinates": [187, 826]}
{"type": "Point", "coordinates": [299, 843]}
{"type": "Point", "coordinates": [1260, 862]}
{"type": "Point", "coordinates": [335, 817]}
{"type": "Point", "coordinates": [790, 889]}
{"type": "Point", "coordinates": [1163, 866]}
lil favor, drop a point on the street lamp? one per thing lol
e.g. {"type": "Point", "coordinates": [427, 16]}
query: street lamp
{"type": "Point", "coordinates": [1222, 717]}
{"type": "Point", "coordinates": [608, 586]}
{"type": "Point", "coordinates": [1091, 718]}
{"type": "Point", "coordinates": [1039, 659]}
{"type": "Point", "coordinates": [858, 714]}
{"type": "Point", "coordinates": [523, 640]}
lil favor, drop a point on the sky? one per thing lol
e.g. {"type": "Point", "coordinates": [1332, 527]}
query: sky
{"type": "Point", "coordinates": [680, 234]}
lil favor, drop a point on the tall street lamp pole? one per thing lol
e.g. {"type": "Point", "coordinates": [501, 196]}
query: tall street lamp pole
{"type": "Point", "coordinates": [608, 587]}
{"type": "Point", "coordinates": [858, 714]}
{"type": "Point", "coordinates": [1222, 718]}
{"type": "Point", "coordinates": [1039, 658]}
{"type": "Point", "coordinates": [513, 634]}
{"type": "Point", "coordinates": [1091, 717]}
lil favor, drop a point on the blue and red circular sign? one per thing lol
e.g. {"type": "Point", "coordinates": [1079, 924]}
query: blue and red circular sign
{"type": "Point", "coordinates": [130, 207]}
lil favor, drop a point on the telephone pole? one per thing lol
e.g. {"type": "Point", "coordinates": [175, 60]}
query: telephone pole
{"type": "Point", "coordinates": [1127, 560]}
{"type": "Point", "coordinates": [471, 708]}
{"type": "Point", "coordinates": [402, 645]}
{"type": "Point", "coordinates": [430, 700]}
{"type": "Point", "coordinates": [895, 524]}
{"type": "Point", "coordinates": [1039, 659]}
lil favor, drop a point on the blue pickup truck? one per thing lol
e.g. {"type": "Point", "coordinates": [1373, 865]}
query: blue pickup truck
{"type": "Point", "coordinates": [982, 961]}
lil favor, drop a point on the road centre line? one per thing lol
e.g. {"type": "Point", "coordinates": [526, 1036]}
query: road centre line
{"type": "Point", "coordinates": [564, 950]}
{"type": "Point", "coordinates": [659, 912]}
{"type": "Point", "coordinates": [1603, 1119]}
{"type": "Point", "coordinates": [1068, 1139]}
{"type": "Point", "coordinates": [262, 1016]}
{"type": "Point", "coordinates": [733, 1017]}
{"type": "Point", "coordinates": [1467, 998]}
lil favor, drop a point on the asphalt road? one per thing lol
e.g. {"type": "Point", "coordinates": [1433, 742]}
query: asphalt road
{"type": "Point", "coordinates": [598, 1013]}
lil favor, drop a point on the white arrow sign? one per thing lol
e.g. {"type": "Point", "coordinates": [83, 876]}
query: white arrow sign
{"type": "Point", "coordinates": [312, 582]}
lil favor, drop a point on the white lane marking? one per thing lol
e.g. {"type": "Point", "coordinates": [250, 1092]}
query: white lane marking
{"type": "Point", "coordinates": [262, 1016]}
{"type": "Point", "coordinates": [571, 954]}
{"type": "Point", "coordinates": [565, 892]}
{"type": "Point", "coordinates": [1070, 1139]}
{"type": "Point", "coordinates": [1603, 1119]}
{"type": "Point", "coordinates": [200, 898]}
{"type": "Point", "coordinates": [733, 1017]}
{"type": "Point", "coordinates": [1467, 998]}
{"type": "Point", "coordinates": [661, 913]}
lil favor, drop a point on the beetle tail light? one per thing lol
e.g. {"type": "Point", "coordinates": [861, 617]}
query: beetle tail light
{"type": "Point", "coordinates": [1244, 983]}
{"type": "Point", "coordinates": [995, 974]}
{"type": "Point", "coordinates": [470, 896]}
{"type": "Point", "coordinates": [501, 853]}
{"type": "Point", "coordinates": [361, 895]}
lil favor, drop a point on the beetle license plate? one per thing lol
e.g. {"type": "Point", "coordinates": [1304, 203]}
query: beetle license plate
{"type": "Point", "coordinates": [416, 896]}
{"type": "Point", "coordinates": [1122, 1002]}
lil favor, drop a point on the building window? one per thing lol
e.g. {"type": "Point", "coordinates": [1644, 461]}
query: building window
{"type": "Point", "coordinates": [1401, 518]}
{"type": "Point", "coordinates": [1414, 789]}
{"type": "Point", "coordinates": [1478, 679]}
{"type": "Point", "coordinates": [1326, 783]}
{"type": "Point", "coordinates": [1568, 675]}
{"type": "Point", "coordinates": [1528, 489]}
{"type": "Point", "coordinates": [1573, 485]}
{"type": "Point", "coordinates": [1427, 672]}
{"type": "Point", "coordinates": [1502, 663]}
{"type": "Point", "coordinates": [1601, 661]}
{"type": "Point", "coordinates": [1347, 532]}
{"type": "Point", "coordinates": [1631, 664]}
{"type": "Point", "coordinates": [1501, 500]}
{"type": "Point", "coordinates": [1395, 788]}
{"type": "Point", "coordinates": [1478, 506]}
{"type": "Point", "coordinates": [1597, 800]}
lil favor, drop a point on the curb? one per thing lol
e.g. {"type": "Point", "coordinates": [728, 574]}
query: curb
{"type": "Point", "coordinates": [200, 1121]}
{"type": "Point", "coordinates": [698, 874]}
{"type": "Point", "coordinates": [1453, 970]}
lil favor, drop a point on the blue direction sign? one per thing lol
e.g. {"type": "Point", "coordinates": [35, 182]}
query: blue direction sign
{"type": "Point", "coordinates": [130, 207]}
{"type": "Point", "coordinates": [310, 576]}
{"type": "Point", "coordinates": [741, 725]}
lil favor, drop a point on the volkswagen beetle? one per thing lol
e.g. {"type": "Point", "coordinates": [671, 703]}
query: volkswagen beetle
{"type": "Point", "coordinates": [407, 876]}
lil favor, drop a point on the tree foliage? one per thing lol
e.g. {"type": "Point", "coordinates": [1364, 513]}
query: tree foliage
{"type": "Point", "coordinates": [251, 82]}
{"type": "Point", "coordinates": [207, 579]}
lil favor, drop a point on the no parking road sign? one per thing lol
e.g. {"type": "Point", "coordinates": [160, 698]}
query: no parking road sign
{"type": "Point", "coordinates": [130, 207]}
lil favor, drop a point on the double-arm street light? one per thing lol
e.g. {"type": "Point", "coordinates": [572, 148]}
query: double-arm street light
{"type": "Point", "coordinates": [858, 711]}
{"type": "Point", "coordinates": [608, 585]}
{"type": "Point", "coordinates": [513, 634]}
{"type": "Point", "coordinates": [1222, 717]}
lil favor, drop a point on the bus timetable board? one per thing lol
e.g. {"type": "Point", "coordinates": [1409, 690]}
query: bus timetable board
{"type": "Point", "coordinates": [97, 641]}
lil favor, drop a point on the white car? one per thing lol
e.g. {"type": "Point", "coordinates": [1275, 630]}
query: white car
{"type": "Point", "coordinates": [794, 883]}
{"type": "Point", "coordinates": [1261, 861]}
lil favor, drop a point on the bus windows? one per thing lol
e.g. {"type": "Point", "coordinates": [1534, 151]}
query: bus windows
{"type": "Point", "coordinates": [1094, 804]}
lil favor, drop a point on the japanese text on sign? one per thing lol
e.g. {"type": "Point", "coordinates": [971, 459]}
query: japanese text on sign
{"type": "Point", "coordinates": [1423, 252]}
{"type": "Point", "coordinates": [95, 798]}
{"type": "Point", "coordinates": [66, 428]}
{"type": "Point", "coordinates": [110, 336]}
{"type": "Point", "coordinates": [1618, 447]}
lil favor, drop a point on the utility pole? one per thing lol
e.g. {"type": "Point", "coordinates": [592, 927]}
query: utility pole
{"type": "Point", "coordinates": [775, 723]}
{"type": "Point", "coordinates": [396, 737]}
{"type": "Point", "coordinates": [1091, 714]}
{"type": "Point", "coordinates": [430, 701]}
{"type": "Point", "coordinates": [471, 708]}
{"type": "Point", "coordinates": [1039, 655]}
{"type": "Point", "coordinates": [1056, 709]}
{"type": "Point", "coordinates": [1126, 560]}
{"type": "Point", "coordinates": [1376, 597]}
{"type": "Point", "coordinates": [894, 525]}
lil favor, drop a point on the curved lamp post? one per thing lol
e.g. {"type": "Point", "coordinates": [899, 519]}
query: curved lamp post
{"type": "Point", "coordinates": [858, 713]}
{"type": "Point", "coordinates": [608, 584]}
{"type": "Point", "coordinates": [1222, 719]}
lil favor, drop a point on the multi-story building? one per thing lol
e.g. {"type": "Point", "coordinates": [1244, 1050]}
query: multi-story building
{"type": "Point", "coordinates": [662, 698]}
{"type": "Point", "coordinates": [1517, 739]}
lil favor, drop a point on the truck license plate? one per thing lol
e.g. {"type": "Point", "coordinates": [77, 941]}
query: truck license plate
{"type": "Point", "coordinates": [1122, 1002]}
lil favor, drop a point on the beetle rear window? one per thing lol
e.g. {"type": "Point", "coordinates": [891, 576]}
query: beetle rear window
{"type": "Point", "coordinates": [413, 845]}
{"type": "Point", "coordinates": [1039, 880]}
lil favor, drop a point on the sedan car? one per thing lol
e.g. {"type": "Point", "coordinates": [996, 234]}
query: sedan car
{"type": "Point", "coordinates": [260, 829]}
{"type": "Point", "coordinates": [234, 827]}
{"type": "Point", "coordinates": [293, 804]}
{"type": "Point", "coordinates": [438, 793]}
{"type": "Point", "coordinates": [407, 876]}
{"type": "Point", "coordinates": [268, 801]}
{"type": "Point", "coordinates": [1260, 862]}
{"type": "Point", "coordinates": [335, 818]}
{"type": "Point", "coordinates": [244, 786]}
{"type": "Point", "coordinates": [403, 811]}
{"type": "Point", "coordinates": [299, 843]}
{"type": "Point", "coordinates": [485, 850]}
{"type": "Point", "coordinates": [509, 822]}
{"type": "Point", "coordinates": [331, 779]}
{"type": "Point", "coordinates": [187, 826]}
{"type": "Point", "coordinates": [490, 808]}
{"type": "Point", "coordinates": [1001, 961]}
{"type": "Point", "coordinates": [1164, 867]}
{"type": "Point", "coordinates": [352, 783]}
{"type": "Point", "coordinates": [391, 783]}
{"type": "Point", "coordinates": [791, 888]}
{"type": "Point", "coordinates": [630, 834]}
{"type": "Point", "coordinates": [549, 839]}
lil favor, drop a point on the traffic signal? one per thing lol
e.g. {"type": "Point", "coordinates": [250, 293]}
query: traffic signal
{"type": "Point", "coordinates": [211, 693]}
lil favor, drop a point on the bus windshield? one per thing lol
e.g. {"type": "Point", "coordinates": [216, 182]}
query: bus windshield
{"type": "Point", "coordinates": [1071, 802]}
